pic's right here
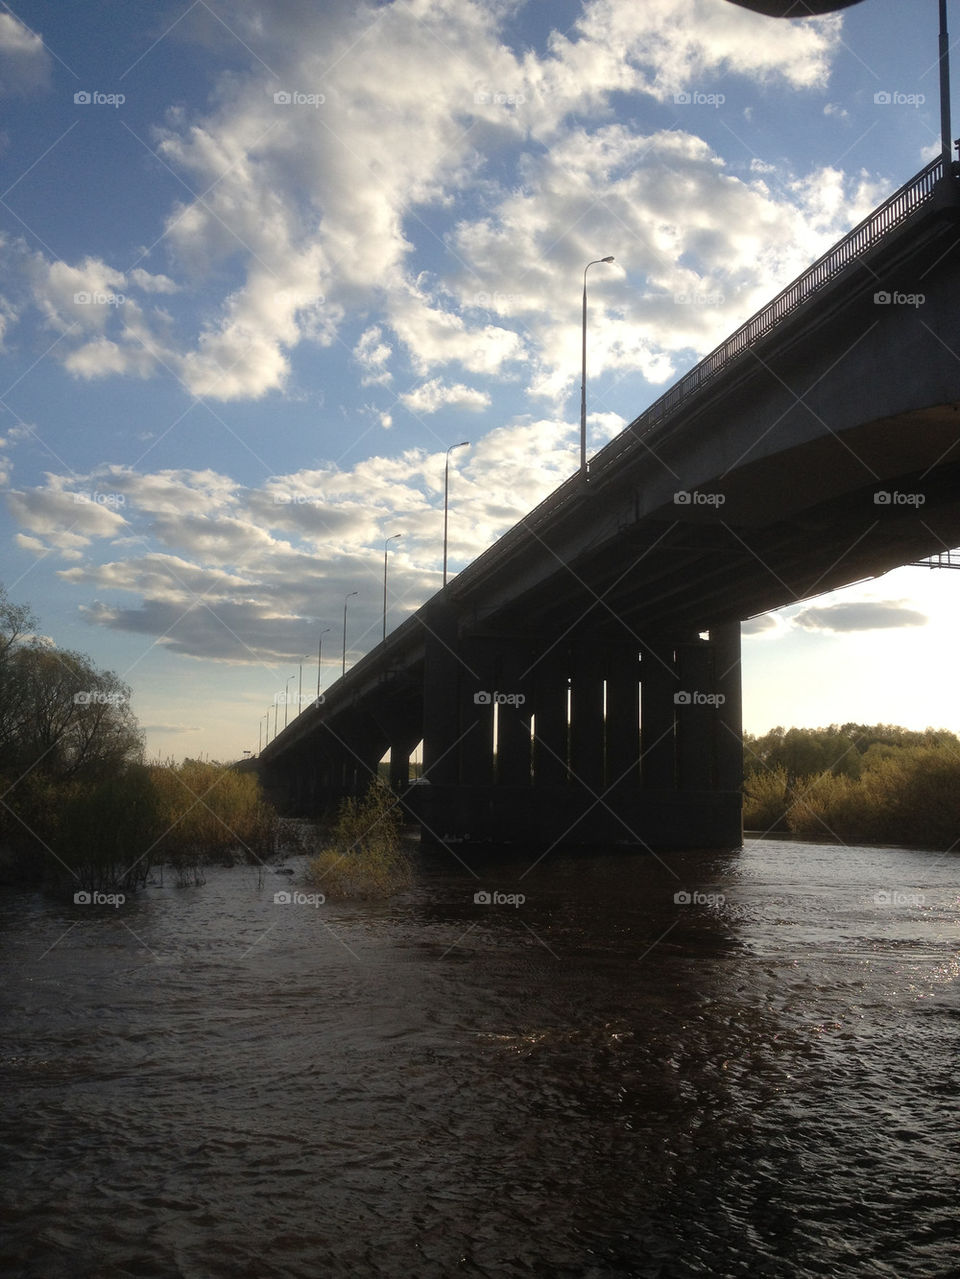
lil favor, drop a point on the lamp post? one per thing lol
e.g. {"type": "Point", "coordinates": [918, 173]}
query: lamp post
{"type": "Point", "coordinates": [300, 690]}
{"type": "Point", "coordinates": [386, 542]}
{"type": "Point", "coordinates": [343, 663]}
{"type": "Point", "coordinates": [945, 131]}
{"type": "Point", "coordinates": [583, 376]}
{"type": "Point", "coordinates": [276, 712]}
{"type": "Point", "coordinates": [319, 656]}
{"type": "Point", "coordinates": [286, 699]}
{"type": "Point", "coordinates": [446, 499]}
{"type": "Point", "coordinates": [266, 735]}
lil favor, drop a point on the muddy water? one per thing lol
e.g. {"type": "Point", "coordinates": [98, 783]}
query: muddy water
{"type": "Point", "coordinates": [599, 1080]}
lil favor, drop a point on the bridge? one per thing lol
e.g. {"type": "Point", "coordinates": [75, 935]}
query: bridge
{"type": "Point", "coordinates": [579, 682]}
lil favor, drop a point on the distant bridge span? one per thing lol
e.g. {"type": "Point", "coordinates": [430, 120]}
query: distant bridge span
{"type": "Point", "coordinates": [817, 446]}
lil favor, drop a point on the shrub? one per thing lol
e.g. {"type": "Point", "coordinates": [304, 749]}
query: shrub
{"type": "Point", "coordinates": [365, 858]}
{"type": "Point", "coordinates": [766, 800]}
{"type": "Point", "coordinates": [208, 812]}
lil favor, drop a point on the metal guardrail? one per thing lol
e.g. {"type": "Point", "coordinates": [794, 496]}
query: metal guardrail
{"type": "Point", "coordinates": [865, 236]}
{"type": "Point", "coordinates": [943, 559]}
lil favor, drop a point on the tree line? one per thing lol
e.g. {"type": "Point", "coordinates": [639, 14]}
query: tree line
{"type": "Point", "coordinates": [79, 806]}
{"type": "Point", "coordinates": [861, 783]}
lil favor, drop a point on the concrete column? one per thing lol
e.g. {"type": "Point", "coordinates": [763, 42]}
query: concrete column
{"type": "Point", "coordinates": [441, 683]}
{"type": "Point", "coordinates": [696, 717]}
{"type": "Point", "coordinates": [550, 710]}
{"type": "Point", "coordinates": [477, 679]}
{"type": "Point", "coordinates": [513, 716]}
{"type": "Point", "coordinates": [586, 718]}
{"type": "Point", "coordinates": [726, 659]}
{"type": "Point", "coordinates": [658, 683]}
{"type": "Point", "coordinates": [622, 765]}
{"type": "Point", "coordinates": [400, 764]}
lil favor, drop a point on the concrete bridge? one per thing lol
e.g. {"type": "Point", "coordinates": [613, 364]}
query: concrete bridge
{"type": "Point", "coordinates": [579, 682]}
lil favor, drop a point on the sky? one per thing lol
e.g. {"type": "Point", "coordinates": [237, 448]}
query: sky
{"type": "Point", "coordinates": [265, 261]}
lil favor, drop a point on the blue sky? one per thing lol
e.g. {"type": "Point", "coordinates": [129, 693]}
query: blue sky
{"type": "Point", "coordinates": [264, 261]}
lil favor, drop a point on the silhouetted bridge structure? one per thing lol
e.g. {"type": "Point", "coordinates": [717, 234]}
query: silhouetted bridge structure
{"type": "Point", "coordinates": [579, 682]}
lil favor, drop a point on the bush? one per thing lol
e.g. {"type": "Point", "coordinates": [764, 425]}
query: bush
{"type": "Point", "coordinates": [105, 833]}
{"type": "Point", "coordinates": [765, 800]}
{"type": "Point", "coordinates": [209, 811]}
{"type": "Point", "coordinates": [365, 858]}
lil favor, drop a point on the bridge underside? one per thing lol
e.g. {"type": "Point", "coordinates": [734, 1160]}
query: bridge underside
{"type": "Point", "coordinates": [536, 742]}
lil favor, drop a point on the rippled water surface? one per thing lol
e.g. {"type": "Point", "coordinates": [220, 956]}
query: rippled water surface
{"type": "Point", "coordinates": [600, 1081]}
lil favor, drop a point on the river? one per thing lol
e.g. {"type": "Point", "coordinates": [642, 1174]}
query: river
{"type": "Point", "coordinates": [598, 1080]}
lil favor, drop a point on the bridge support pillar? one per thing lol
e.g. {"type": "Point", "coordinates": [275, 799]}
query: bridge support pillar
{"type": "Point", "coordinates": [622, 759]}
{"type": "Point", "coordinates": [514, 700]}
{"type": "Point", "coordinates": [586, 720]}
{"type": "Point", "coordinates": [441, 699]}
{"type": "Point", "coordinates": [696, 716]}
{"type": "Point", "coordinates": [658, 683]}
{"type": "Point", "coordinates": [726, 648]}
{"type": "Point", "coordinates": [551, 689]}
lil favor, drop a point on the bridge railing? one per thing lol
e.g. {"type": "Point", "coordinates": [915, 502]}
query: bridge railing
{"type": "Point", "coordinates": [865, 236]}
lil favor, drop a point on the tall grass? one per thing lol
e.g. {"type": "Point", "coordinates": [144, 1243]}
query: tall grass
{"type": "Point", "coordinates": [364, 857]}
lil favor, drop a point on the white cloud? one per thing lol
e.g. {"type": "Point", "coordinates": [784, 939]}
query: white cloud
{"type": "Point", "coordinates": [311, 212]}
{"type": "Point", "coordinates": [433, 395]}
{"type": "Point", "coordinates": [862, 615]}
{"type": "Point", "coordinates": [25, 64]}
{"type": "Point", "coordinates": [153, 283]}
{"type": "Point", "coordinates": [372, 353]}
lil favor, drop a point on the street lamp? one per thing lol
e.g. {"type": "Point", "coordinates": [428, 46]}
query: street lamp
{"type": "Point", "coordinates": [300, 690]}
{"type": "Point", "coordinates": [343, 664]}
{"type": "Point", "coordinates": [583, 377]}
{"type": "Point", "coordinates": [319, 656]}
{"type": "Point", "coordinates": [387, 540]}
{"type": "Point", "coordinates": [286, 699]}
{"type": "Point", "coordinates": [446, 502]}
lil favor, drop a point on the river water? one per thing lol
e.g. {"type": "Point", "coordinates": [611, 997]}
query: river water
{"type": "Point", "coordinates": [600, 1080]}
